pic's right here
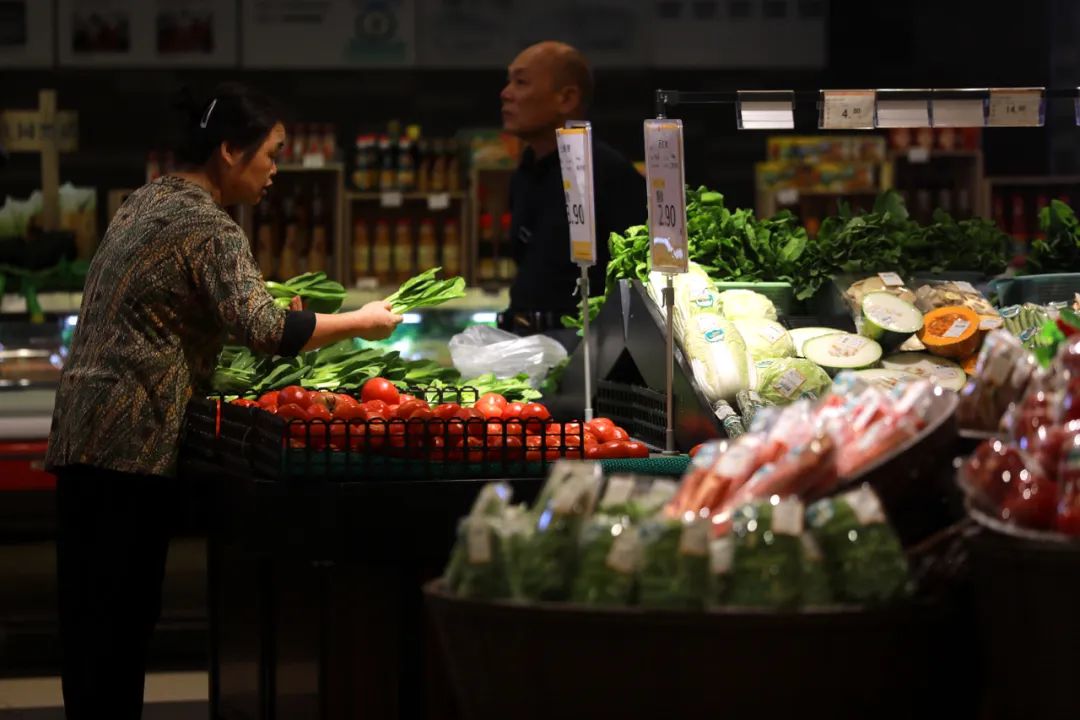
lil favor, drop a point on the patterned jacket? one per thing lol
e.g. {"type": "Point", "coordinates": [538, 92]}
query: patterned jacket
{"type": "Point", "coordinates": [174, 275]}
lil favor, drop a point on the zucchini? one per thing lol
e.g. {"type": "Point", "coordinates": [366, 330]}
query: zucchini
{"type": "Point", "coordinates": [799, 336]}
{"type": "Point", "coordinates": [889, 320]}
{"type": "Point", "coordinates": [842, 351]}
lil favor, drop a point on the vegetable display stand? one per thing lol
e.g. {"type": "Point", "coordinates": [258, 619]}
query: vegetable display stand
{"type": "Point", "coordinates": [526, 661]}
{"type": "Point", "coordinates": [1038, 289]}
{"type": "Point", "coordinates": [630, 338]}
{"type": "Point", "coordinates": [1027, 594]}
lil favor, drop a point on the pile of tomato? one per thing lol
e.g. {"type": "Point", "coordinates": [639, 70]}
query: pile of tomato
{"type": "Point", "coordinates": [387, 420]}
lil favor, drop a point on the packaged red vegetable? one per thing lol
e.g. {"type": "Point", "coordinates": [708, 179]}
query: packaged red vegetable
{"type": "Point", "coordinates": [1068, 507]}
{"type": "Point", "coordinates": [1002, 373]}
{"type": "Point", "coordinates": [1010, 485]}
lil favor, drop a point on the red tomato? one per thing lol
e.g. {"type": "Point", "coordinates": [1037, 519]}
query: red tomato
{"type": "Point", "coordinates": [407, 408]}
{"type": "Point", "coordinates": [269, 400]}
{"type": "Point", "coordinates": [474, 452]}
{"type": "Point", "coordinates": [493, 398]}
{"type": "Point", "coordinates": [376, 405]}
{"type": "Point", "coordinates": [322, 397]}
{"type": "Point", "coordinates": [634, 449]}
{"type": "Point", "coordinates": [553, 429]}
{"type": "Point", "coordinates": [341, 399]}
{"type": "Point", "coordinates": [436, 449]}
{"type": "Point", "coordinates": [380, 389]}
{"type": "Point", "coordinates": [244, 402]}
{"type": "Point", "coordinates": [318, 411]}
{"type": "Point", "coordinates": [513, 410]}
{"type": "Point", "coordinates": [534, 411]}
{"type": "Point", "coordinates": [345, 411]}
{"type": "Point", "coordinates": [292, 411]}
{"type": "Point", "coordinates": [601, 428]}
{"type": "Point", "coordinates": [405, 397]}
{"type": "Point", "coordinates": [447, 411]}
{"type": "Point", "coordinates": [590, 439]}
{"type": "Point", "coordinates": [535, 446]}
{"type": "Point", "coordinates": [489, 407]}
{"type": "Point", "coordinates": [475, 422]}
{"type": "Point", "coordinates": [514, 448]}
{"type": "Point", "coordinates": [592, 452]}
{"type": "Point", "coordinates": [504, 428]}
{"type": "Point", "coordinates": [294, 395]}
{"type": "Point", "coordinates": [617, 433]}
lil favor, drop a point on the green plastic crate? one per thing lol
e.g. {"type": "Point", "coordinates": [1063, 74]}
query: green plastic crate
{"type": "Point", "coordinates": [782, 294]}
{"type": "Point", "coordinates": [1038, 289]}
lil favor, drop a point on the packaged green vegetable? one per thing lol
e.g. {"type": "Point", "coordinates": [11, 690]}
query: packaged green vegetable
{"type": "Point", "coordinates": [610, 541]}
{"type": "Point", "coordinates": [675, 563]}
{"type": "Point", "coordinates": [547, 558]}
{"type": "Point", "coordinates": [721, 561]}
{"type": "Point", "coordinates": [767, 564]}
{"type": "Point", "coordinates": [863, 556]}
{"type": "Point", "coordinates": [478, 562]}
{"type": "Point", "coordinates": [816, 590]}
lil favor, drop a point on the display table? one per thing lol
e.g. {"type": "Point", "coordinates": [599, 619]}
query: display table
{"type": "Point", "coordinates": [316, 608]}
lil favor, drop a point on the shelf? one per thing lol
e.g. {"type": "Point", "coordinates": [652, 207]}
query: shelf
{"type": "Point", "coordinates": [932, 155]}
{"type": "Point", "coordinates": [296, 167]}
{"type": "Point", "coordinates": [1035, 180]}
{"type": "Point", "coordinates": [353, 195]}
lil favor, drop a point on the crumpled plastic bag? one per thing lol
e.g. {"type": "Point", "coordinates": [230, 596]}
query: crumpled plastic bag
{"type": "Point", "coordinates": [481, 349]}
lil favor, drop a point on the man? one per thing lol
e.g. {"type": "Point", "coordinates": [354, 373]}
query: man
{"type": "Point", "coordinates": [548, 84]}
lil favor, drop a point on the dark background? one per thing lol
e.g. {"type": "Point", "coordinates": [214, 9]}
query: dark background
{"type": "Point", "coordinates": [963, 43]}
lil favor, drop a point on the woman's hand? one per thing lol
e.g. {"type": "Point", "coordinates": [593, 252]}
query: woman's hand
{"type": "Point", "coordinates": [296, 303]}
{"type": "Point", "coordinates": [375, 321]}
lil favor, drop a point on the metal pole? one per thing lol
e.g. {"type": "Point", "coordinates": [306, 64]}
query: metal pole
{"type": "Point", "coordinates": [669, 302]}
{"type": "Point", "coordinates": [584, 285]}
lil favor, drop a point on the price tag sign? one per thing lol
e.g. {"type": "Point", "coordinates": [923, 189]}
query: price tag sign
{"type": "Point", "coordinates": [1016, 107]}
{"type": "Point", "coordinates": [847, 109]}
{"type": "Point", "coordinates": [313, 161]}
{"type": "Point", "coordinates": [575, 158]}
{"type": "Point", "coordinates": [391, 199]}
{"type": "Point", "coordinates": [665, 179]}
{"type": "Point", "coordinates": [903, 109]}
{"type": "Point", "coordinates": [438, 201]}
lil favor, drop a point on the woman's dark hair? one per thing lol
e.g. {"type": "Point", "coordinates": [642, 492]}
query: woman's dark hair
{"type": "Point", "coordinates": [232, 113]}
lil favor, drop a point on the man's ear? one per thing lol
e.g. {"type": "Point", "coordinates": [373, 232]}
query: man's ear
{"type": "Point", "coordinates": [569, 99]}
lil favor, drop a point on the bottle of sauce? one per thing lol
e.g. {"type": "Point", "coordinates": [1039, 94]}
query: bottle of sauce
{"type": "Point", "coordinates": [359, 164]}
{"type": "Point", "coordinates": [427, 246]}
{"type": "Point", "coordinates": [329, 142]}
{"type": "Point", "coordinates": [288, 265]}
{"type": "Point", "coordinates": [438, 167]}
{"type": "Point", "coordinates": [406, 169]}
{"type": "Point", "coordinates": [404, 252]}
{"type": "Point", "coordinates": [318, 249]}
{"type": "Point", "coordinates": [451, 249]}
{"type": "Point", "coordinates": [299, 143]}
{"type": "Point", "coordinates": [453, 167]}
{"type": "Point", "coordinates": [382, 253]}
{"type": "Point", "coordinates": [423, 166]}
{"type": "Point", "coordinates": [361, 249]}
{"type": "Point", "coordinates": [266, 238]}
{"type": "Point", "coordinates": [387, 165]}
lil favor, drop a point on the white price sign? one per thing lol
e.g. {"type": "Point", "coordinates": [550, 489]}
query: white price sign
{"type": "Point", "coordinates": [847, 109]}
{"type": "Point", "coordinates": [665, 179]}
{"type": "Point", "coordinates": [1016, 107]}
{"type": "Point", "coordinates": [575, 158]}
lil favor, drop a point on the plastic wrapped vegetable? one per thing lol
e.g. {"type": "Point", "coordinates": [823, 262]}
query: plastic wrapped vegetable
{"type": "Point", "coordinates": [746, 305]}
{"type": "Point", "coordinates": [1002, 374]}
{"type": "Point", "coordinates": [675, 563]}
{"type": "Point", "coordinates": [610, 543]}
{"type": "Point", "coordinates": [785, 380]}
{"type": "Point", "coordinates": [767, 566]}
{"type": "Point", "coordinates": [478, 567]}
{"type": "Point", "coordinates": [863, 556]}
{"type": "Point", "coordinates": [547, 558]}
{"type": "Point", "coordinates": [765, 339]}
{"type": "Point", "coordinates": [816, 590]}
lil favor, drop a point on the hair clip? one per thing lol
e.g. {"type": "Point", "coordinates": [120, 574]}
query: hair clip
{"type": "Point", "coordinates": [206, 115]}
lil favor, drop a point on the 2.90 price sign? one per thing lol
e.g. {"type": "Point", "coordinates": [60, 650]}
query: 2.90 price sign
{"type": "Point", "coordinates": [665, 175]}
{"type": "Point", "coordinates": [575, 161]}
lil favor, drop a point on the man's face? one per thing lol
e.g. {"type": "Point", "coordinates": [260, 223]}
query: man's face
{"type": "Point", "coordinates": [530, 100]}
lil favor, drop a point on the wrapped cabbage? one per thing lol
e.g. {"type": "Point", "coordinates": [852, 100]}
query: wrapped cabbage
{"type": "Point", "coordinates": [746, 305]}
{"type": "Point", "coordinates": [765, 339]}
{"type": "Point", "coordinates": [717, 356]}
{"type": "Point", "coordinates": [785, 380]}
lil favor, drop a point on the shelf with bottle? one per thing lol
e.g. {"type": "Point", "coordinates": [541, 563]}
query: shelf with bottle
{"type": "Point", "coordinates": [387, 250]}
{"type": "Point", "coordinates": [310, 146]}
{"type": "Point", "coordinates": [296, 228]}
{"type": "Point", "coordinates": [939, 168]}
{"type": "Point", "coordinates": [406, 162]}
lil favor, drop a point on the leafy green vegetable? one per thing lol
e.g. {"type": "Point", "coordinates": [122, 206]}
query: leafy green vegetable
{"type": "Point", "coordinates": [604, 577]}
{"type": "Point", "coordinates": [767, 568]}
{"type": "Point", "coordinates": [424, 290]}
{"type": "Point", "coordinates": [1060, 250]}
{"type": "Point", "coordinates": [674, 571]}
{"type": "Point", "coordinates": [319, 293]}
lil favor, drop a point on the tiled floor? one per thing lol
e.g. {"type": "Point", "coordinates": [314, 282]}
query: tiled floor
{"type": "Point", "coordinates": [169, 696]}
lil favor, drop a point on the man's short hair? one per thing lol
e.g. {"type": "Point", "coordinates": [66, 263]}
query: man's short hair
{"type": "Point", "coordinates": [572, 68]}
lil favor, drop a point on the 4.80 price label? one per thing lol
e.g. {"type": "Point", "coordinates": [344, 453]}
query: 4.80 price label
{"type": "Point", "coordinates": [665, 175]}
{"type": "Point", "coordinates": [575, 161]}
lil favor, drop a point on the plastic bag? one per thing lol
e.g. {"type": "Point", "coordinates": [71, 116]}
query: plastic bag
{"type": "Point", "coordinates": [863, 556]}
{"type": "Point", "coordinates": [675, 563]}
{"type": "Point", "coordinates": [481, 349]}
{"type": "Point", "coordinates": [768, 559]}
{"type": "Point", "coordinates": [478, 565]}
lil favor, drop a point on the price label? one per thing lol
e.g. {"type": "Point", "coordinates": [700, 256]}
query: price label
{"type": "Point", "coordinates": [891, 279]}
{"type": "Point", "coordinates": [918, 155]}
{"type": "Point", "coordinates": [847, 109]}
{"type": "Point", "coordinates": [1018, 107]}
{"type": "Point", "coordinates": [665, 180]}
{"type": "Point", "coordinates": [959, 113]}
{"type": "Point", "coordinates": [788, 196]}
{"type": "Point", "coordinates": [313, 160]}
{"type": "Point", "coordinates": [575, 158]}
{"type": "Point", "coordinates": [438, 201]}
{"type": "Point", "coordinates": [900, 112]}
{"type": "Point", "coordinates": [392, 199]}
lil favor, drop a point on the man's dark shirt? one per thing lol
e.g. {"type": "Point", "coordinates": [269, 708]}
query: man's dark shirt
{"type": "Point", "coordinates": [540, 234]}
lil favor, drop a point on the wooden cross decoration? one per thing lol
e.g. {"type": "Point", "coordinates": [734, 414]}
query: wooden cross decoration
{"type": "Point", "coordinates": [48, 132]}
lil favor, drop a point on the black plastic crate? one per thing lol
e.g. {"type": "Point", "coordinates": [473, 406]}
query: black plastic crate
{"type": "Point", "coordinates": [639, 410]}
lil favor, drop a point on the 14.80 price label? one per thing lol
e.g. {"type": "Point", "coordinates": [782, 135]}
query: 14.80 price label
{"type": "Point", "coordinates": [665, 174]}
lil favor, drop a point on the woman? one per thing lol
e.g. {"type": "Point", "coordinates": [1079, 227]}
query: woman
{"type": "Point", "coordinates": [173, 277]}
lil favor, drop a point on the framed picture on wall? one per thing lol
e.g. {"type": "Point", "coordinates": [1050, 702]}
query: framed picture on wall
{"type": "Point", "coordinates": [26, 33]}
{"type": "Point", "coordinates": [147, 33]}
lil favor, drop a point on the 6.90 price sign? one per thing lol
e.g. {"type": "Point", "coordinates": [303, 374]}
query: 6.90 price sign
{"type": "Point", "coordinates": [664, 174]}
